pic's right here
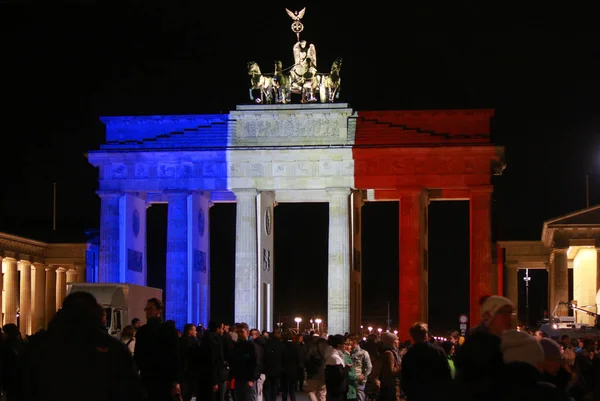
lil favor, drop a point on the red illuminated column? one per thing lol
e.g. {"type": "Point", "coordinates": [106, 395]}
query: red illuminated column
{"type": "Point", "coordinates": [412, 275]}
{"type": "Point", "coordinates": [481, 248]}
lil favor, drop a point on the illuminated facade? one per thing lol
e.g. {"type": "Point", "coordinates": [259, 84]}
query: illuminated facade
{"type": "Point", "coordinates": [261, 155]}
{"type": "Point", "coordinates": [35, 277]}
{"type": "Point", "coordinates": [569, 242]}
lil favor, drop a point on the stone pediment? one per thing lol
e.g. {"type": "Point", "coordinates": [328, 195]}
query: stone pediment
{"type": "Point", "coordinates": [586, 217]}
{"type": "Point", "coordinates": [580, 221]}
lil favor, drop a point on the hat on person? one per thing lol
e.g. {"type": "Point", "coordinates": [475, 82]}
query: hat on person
{"type": "Point", "coordinates": [551, 349]}
{"type": "Point", "coordinates": [519, 346]}
{"type": "Point", "coordinates": [492, 305]}
{"type": "Point", "coordinates": [388, 338]}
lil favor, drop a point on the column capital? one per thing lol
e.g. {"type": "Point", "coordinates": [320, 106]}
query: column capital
{"type": "Point", "coordinates": [560, 250]}
{"type": "Point", "coordinates": [39, 265]}
{"type": "Point", "coordinates": [512, 265]}
{"type": "Point", "coordinates": [24, 263]}
{"type": "Point", "coordinates": [410, 191]}
{"type": "Point", "coordinates": [50, 268]}
{"type": "Point", "coordinates": [10, 259]}
{"type": "Point", "coordinates": [339, 191]}
{"type": "Point", "coordinates": [176, 193]}
{"type": "Point", "coordinates": [61, 269]}
{"type": "Point", "coordinates": [108, 194]}
{"type": "Point", "coordinates": [244, 192]}
{"type": "Point", "coordinates": [481, 189]}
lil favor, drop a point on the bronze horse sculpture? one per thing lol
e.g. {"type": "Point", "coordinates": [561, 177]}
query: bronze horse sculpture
{"type": "Point", "coordinates": [259, 83]}
{"type": "Point", "coordinates": [279, 86]}
{"type": "Point", "coordinates": [329, 86]}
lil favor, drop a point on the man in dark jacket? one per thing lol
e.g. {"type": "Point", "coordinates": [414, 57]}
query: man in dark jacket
{"type": "Point", "coordinates": [157, 354]}
{"type": "Point", "coordinates": [246, 365]}
{"type": "Point", "coordinates": [273, 366]}
{"type": "Point", "coordinates": [213, 370]}
{"type": "Point", "coordinates": [98, 366]}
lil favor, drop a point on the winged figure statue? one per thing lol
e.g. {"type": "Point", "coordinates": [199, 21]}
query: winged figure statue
{"type": "Point", "coordinates": [296, 15]}
{"type": "Point", "coordinates": [302, 52]}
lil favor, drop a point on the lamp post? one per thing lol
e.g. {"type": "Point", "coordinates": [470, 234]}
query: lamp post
{"type": "Point", "coordinates": [298, 320]}
{"type": "Point", "coordinates": [527, 280]}
{"type": "Point", "coordinates": [380, 330]}
{"type": "Point", "coordinates": [362, 334]}
{"type": "Point", "coordinates": [318, 322]}
{"type": "Point", "coordinates": [370, 329]}
{"type": "Point", "coordinates": [312, 325]}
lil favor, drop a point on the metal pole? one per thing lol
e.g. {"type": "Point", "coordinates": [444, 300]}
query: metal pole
{"type": "Point", "coordinates": [527, 279]}
{"type": "Point", "coordinates": [587, 191]}
{"type": "Point", "coordinates": [388, 316]}
{"type": "Point", "coordinates": [54, 210]}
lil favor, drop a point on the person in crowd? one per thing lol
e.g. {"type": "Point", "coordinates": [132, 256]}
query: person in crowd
{"type": "Point", "coordinates": [336, 373]}
{"type": "Point", "coordinates": [128, 337]}
{"type": "Point", "coordinates": [157, 354]}
{"type": "Point", "coordinates": [522, 379]}
{"type": "Point", "coordinates": [479, 361]}
{"type": "Point", "coordinates": [425, 373]}
{"type": "Point", "coordinates": [75, 359]}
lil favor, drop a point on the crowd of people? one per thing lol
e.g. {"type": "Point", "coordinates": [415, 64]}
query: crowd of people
{"type": "Point", "coordinates": [76, 359]}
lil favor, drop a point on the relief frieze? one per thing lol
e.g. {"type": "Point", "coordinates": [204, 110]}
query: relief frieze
{"type": "Point", "coordinates": [290, 128]}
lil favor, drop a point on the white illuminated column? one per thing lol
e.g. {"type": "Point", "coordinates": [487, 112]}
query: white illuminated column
{"type": "Point", "coordinates": [298, 320]}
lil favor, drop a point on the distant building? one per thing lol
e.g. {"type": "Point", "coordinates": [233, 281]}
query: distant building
{"type": "Point", "coordinates": [35, 276]}
{"type": "Point", "coordinates": [568, 248]}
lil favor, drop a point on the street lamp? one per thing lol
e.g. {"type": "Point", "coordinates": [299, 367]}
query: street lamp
{"type": "Point", "coordinates": [527, 280]}
{"type": "Point", "coordinates": [362, 334]}
{"type": "Point", "coordinates": [312, 325]}
{"type": "Point", "coordinates": [396, 332]}
{"type": "Point", "coordinates": [318, 322]}
{"type": "Point", "coordinates": [298, 320]}
{"type": "Point", "coordinates": [370, 329]}
{"type": "Point", "coordinates": [380, 330]}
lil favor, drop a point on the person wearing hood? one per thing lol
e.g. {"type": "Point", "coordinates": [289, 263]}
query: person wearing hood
{"type": "Point", "coordinates": [524, 358]}
{"type": "Point", "coordinates": [389, 375]}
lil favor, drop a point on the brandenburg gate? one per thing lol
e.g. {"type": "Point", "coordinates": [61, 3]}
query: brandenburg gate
{"type": "Point", "coordinates": [276, 150]}
{"type": "Point", "coordinates": [261, 155]}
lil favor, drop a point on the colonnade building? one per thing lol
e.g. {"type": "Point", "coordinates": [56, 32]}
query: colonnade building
{"type": "Point", "coordinates": [35, 276]}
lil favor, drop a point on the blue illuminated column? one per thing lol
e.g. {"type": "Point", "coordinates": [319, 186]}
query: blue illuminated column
{"type": "Point", "coordinates": [132, 259]}
{"type": "Point", "coordinates": [246, 258]}
{"type": "Point", "coordinates": [177, 258]}
{"type": "Point", "coordinates": [266, 203]}
{"type": "Point", "coordinates": [108, 258]}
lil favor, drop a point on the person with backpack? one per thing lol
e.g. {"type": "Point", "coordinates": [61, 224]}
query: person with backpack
{"type": "Point", "coordinates": [128, 337]}
{"type": "Point", "coordinates": [314, 366]}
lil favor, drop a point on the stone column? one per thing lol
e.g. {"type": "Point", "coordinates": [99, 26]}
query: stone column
{"type": "Point", "coordinates": [558, 281]}
{"type": "Point", "coordinates": [177, 258]}
{"type": "Point", "coordinates": [81, 273]}
{"type": "Point", "coordinates": [38, 297]}
{"type": "Point", "coordinates": [108, 258]}
{"type": "Point", "coordinates": [511, 282]}
{"type": "Point", "coordinates": [246, 258]}
{"type": "Point", "coordinates": [11, 290]}
{"type": "Point", "coordinates": [50, 294]}
{"type": "Point", "coordinates": [481, 248]}
{"type": "Point", "coordinates": [412, 274]}
{"type": "Point", "coordinates": [25, 297]}
{"type": "Point", "coordinates": [1, 291]}
{"type": "Point", "coordinates": [338, 279]}
{"type": "Point", "coordinates": [61, 286]}
{"type": "Point", "coordinates": [71, 276]}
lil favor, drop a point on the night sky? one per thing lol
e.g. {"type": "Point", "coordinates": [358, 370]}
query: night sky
{"type": "Point", "coordinates": [64, 67]}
